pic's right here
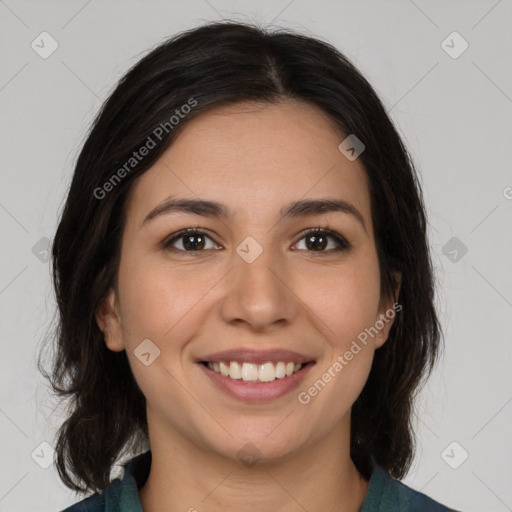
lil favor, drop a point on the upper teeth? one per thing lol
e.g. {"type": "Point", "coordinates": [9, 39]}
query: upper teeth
{"type": "Point", "coordinates": [266, 372]}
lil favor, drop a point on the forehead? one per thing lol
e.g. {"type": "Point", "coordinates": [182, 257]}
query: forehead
{"type": "Point", "coordinates": [254, 157]}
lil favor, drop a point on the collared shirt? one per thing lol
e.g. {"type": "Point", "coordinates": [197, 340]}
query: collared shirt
{"type": "Point", "coordinates": [384, 494]}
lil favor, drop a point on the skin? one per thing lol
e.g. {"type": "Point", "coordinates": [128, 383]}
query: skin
{"type": "Point", "coordinates": [292, 296]}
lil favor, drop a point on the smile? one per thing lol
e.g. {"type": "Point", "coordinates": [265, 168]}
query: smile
{"type": "Point", "coordinates": [251, 372]}
{"type": "Point", "coordinates": [246, 386]}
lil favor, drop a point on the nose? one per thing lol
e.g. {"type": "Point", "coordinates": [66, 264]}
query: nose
{"type": "Point", "coordinates": [259, 294]}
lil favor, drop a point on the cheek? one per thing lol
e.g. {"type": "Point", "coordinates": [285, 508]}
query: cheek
{"type": "Point", "coordinates": [345, 299]}
{"type": "Point", "coordinates": [163, 304]}
{"type": "Point", "coordinates": [160, 300]}
{"type": "Point", "coordinates": [347, 305]}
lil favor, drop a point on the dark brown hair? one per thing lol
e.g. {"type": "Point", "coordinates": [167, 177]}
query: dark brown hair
{"type": "Point", "coordinates": [219, 64]}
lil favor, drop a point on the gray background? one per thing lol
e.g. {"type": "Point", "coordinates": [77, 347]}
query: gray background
{"type": "Point", "coordinates": [454, 114]}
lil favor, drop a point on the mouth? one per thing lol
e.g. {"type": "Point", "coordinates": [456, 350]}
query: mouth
{"type": "Point", "coordinates": [256, 376]}
{"type": "Point", "coordinates": [253, 372]}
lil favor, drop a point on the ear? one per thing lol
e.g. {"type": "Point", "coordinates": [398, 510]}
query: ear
{"type": "Point", "coordinates": [388, 309]}
{"type": "Point", "coordinates": [109, 322]}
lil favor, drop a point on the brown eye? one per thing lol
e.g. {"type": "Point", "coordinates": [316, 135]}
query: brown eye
{"type": "Point", "coordinates": [314, 242]}
{"type": "Point", "coordinates": [189, 240]}
{"type": "Point", "coordinates": [193, 242]}
{"type": "Point", "coordinates": [318, 240]}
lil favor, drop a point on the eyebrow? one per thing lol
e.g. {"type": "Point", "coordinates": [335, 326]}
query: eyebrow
{"type": "Point", "coordinates": [295, 209]}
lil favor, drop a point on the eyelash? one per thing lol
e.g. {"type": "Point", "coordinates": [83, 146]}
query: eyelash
{"type": "Point", "coordinates": [343, 245]}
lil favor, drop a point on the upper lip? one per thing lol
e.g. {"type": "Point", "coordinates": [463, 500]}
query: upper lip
{"type": "Point", "coordinates": [258, 356]}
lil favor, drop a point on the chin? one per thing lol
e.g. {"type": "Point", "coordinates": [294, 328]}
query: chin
{"type": "Point", "coordinates": [259, 447]}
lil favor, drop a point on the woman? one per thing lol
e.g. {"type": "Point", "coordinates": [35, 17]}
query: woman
{"type": "Point", "coordinates": [244, 286]}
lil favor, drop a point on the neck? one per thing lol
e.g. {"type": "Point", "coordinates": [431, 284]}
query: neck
{"type": "Point", "coordinates": [183, 476]}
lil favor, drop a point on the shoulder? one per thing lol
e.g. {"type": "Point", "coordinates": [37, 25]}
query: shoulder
{"type": "Point", "coordinates": [94, 503]}
{"type": "Point", "coordinates": [122, 494]}
{"type": "Point", "coordinates": [387, 494]}
{"type": "Point", "coordinates": [115, 498]}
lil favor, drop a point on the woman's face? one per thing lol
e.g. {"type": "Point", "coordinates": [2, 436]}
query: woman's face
{"type": "Point", "coordinates": [252, 281]}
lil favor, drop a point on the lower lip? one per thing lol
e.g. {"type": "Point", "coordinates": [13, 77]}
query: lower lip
{"type": "Point", "coordinates": [250, 391]}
